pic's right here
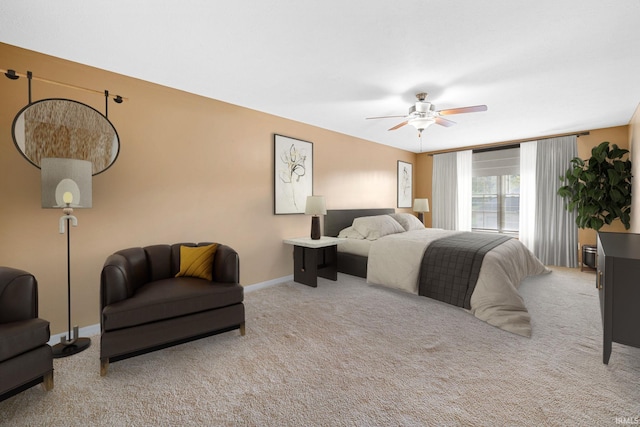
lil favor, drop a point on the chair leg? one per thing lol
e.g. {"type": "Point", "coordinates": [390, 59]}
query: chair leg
{"type": "Point", "coordinates": [104, 367]}
{"type": "Point", "coordinates": [242, 329]}
{"type": "Point", "coordinates": [47, 381]}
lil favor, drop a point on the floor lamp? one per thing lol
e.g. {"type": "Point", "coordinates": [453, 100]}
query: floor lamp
{"type": "Point", "coordinates": [66, 184]}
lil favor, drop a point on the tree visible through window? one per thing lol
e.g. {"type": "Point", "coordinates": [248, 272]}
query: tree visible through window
{"type": "Point", "coordinates": [496, 203]}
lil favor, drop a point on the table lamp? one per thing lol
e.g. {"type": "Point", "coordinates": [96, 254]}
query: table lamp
{"type": "Point", "coordinates": [421, 206]}
{"type": "Point", "coordinates": [315, 206]}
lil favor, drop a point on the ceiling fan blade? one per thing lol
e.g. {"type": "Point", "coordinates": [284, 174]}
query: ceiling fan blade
{"type": "Point", "coordinates": [444, 122]}
{"type": "Point", "coordinates": [461, 110]}
{"type": "Point", "coordinates": [384, 117]}
{"type": "Point", "coordinates": [399, 125]}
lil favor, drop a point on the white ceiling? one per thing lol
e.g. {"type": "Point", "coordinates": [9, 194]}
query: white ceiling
{"type": "Point", "coordinates": [543, 67]}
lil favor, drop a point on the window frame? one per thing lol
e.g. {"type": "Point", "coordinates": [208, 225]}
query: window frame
{"type": "Point", "coordinates": [501, 197]}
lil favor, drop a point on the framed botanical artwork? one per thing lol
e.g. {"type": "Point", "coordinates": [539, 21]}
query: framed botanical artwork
{"type": "Point", "coordinates": [405, 184]}
{"type": "Point", "coordinates": [293, 174]}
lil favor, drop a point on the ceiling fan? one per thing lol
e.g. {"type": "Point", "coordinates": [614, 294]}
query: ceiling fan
{"type": "Point", "coordinates": [423, 114]}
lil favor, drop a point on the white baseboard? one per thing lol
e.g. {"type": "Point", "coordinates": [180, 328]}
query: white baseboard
{"type": "Point", "coordinates": [86, 331]}
{"type": "Point", "coordinates": [91, 330]}
{"type": "Point", "coordinates": [268, 283]}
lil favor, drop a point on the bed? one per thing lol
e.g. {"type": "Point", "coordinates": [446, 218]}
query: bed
{"type": "Point", "coordinates": [388, 250]}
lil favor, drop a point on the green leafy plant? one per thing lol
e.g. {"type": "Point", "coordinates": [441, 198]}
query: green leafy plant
{"type": "Point", "coordinates": [599, 188]}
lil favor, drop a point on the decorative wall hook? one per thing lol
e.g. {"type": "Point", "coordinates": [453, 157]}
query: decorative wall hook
{"type": "Point", "coordinates": [11, 74]}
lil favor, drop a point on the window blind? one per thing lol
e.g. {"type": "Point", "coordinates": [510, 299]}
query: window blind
{"type": "Point", "coordinates": [497, 162]}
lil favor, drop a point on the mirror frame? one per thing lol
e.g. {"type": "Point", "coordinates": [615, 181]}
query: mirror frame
{"type": "Point", "coordinates": [64, 152]}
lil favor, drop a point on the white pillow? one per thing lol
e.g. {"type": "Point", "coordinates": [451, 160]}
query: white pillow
{"type": "Point", "coordinates": [408, 221]}
{"type": "Point", "coordinates": [350, 233]}
{"type": "Point", "coordinates": [374, 227]}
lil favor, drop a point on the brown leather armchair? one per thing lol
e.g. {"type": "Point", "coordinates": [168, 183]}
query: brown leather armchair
{"type": "Point", "coordinates": [25, 357]}
{"type": "Point", "coordinates": [144, 307]}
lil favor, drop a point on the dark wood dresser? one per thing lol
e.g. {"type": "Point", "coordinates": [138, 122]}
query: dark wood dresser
{"type": "Point", "coordinates": [618, 282]}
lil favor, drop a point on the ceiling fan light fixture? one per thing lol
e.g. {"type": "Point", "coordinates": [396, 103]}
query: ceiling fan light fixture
{"type": "Point", "coordinates": [421, 123]}
{"type": "Point", "coordinates": [423, 114]}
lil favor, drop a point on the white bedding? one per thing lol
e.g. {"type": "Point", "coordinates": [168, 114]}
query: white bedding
{"type": "Point", "coordinates": [394, 261]}
{"type": "Point", "coordinates": [355, 246]}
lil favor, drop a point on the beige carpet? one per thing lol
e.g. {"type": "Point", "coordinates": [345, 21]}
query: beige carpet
{"type": "Point", "coordinates": [348, 353]}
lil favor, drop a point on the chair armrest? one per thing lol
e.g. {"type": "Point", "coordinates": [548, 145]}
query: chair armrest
{"type": "Point", "coordinates": [123, 272]}
{"type": "Point", "coordinates": [226, 265]}
{"type": "Point", "coordinates": [18, 295]}
{"type": "Point", "coordinates": [114, 280]}
{"type": "Point", "coordinates": [20, 337]}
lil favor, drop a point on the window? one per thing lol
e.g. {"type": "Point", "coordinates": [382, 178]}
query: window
{"type": "Point", "coordinates": [496, 191]}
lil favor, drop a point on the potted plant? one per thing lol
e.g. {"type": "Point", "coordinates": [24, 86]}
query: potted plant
{"type": "Point", "coordinates": [599, 188]}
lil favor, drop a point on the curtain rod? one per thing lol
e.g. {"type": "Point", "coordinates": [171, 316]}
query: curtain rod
{"type": "Point", "coordinates": [505, 143]}
{"type": "Point", "coordinates": [12, 74]}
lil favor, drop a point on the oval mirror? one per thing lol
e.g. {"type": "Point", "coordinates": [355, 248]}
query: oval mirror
{"type": "Point", "coordinates": [63, 128]}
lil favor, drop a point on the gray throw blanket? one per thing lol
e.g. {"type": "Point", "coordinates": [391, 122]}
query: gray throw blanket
{"type": "Point", "coordinates": [451, 266]}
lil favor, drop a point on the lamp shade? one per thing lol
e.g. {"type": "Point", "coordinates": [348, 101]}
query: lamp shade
{"type": "Point", "coordinates": [66, 179]}
{"type": "Point", "coordinates": [315, 206]}
{"type": "Point", "coordinates": [421, 205]}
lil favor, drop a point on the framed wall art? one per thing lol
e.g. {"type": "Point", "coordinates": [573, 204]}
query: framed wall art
{"type": "Point", "coordinates": [293, 174]}
{"type": "Point", "coordinates": [405, 184]}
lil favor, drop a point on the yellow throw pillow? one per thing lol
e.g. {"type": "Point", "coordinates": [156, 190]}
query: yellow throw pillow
{"type": "Point", "coordinates": [197, 262]}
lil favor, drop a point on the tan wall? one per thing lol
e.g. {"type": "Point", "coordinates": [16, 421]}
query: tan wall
{"type": "Point", "coordinates": [423, 187]}
{"type": "Point", "coordinates": [190, 169]}
{"type": "Point", "coordinates": [634, 144]}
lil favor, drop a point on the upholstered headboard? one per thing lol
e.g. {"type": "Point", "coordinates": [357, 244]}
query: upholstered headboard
{"type": "Point", "coordinates": [338, 219]}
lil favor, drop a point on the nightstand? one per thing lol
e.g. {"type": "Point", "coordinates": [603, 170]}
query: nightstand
{"type": "Point", "coordinates": [314, 258]}
{"type": "Point", "coordinates": [589, 253]}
